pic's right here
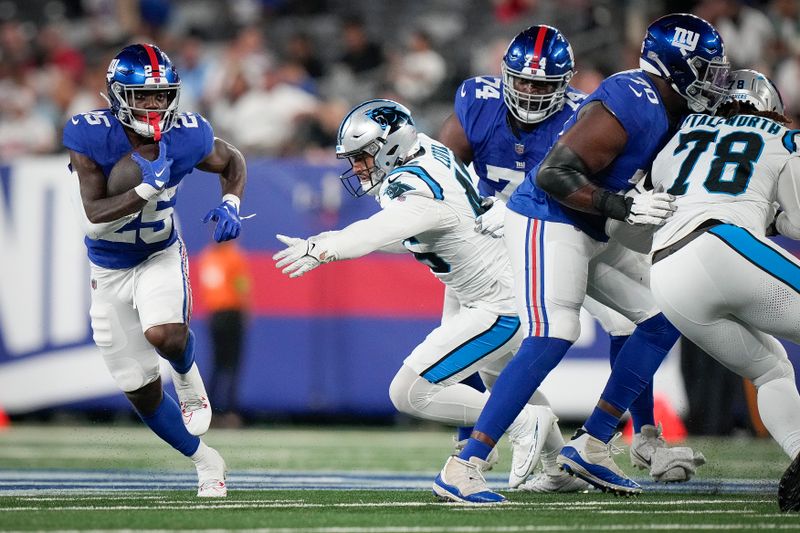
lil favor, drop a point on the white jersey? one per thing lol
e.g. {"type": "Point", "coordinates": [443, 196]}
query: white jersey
{"type": "Point", "coordinates": [728, 170]}
{"type": "Point", "coordinates": [430, 204]}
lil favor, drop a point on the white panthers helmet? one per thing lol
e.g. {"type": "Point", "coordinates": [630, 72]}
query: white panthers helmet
{"type": "Point", "coordinates": [752, 87]}
{"type": "Point", "coordinates": [382, 129]}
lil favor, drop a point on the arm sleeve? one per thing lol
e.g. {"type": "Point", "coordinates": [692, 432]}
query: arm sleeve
{"type": "Point", "coordinates": [394, 223]}
{"type": "Point", "coordinates": [788, 222]}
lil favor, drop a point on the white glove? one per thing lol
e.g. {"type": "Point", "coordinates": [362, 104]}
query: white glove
{"type": "Point", "coordinates": [651, 208]}
{"type": "Point", "coordinates": [674, 465]}
{"type": "Point", "coordinates": [492, 221]}
{"type": "Point", "coordinates": [299, 256]}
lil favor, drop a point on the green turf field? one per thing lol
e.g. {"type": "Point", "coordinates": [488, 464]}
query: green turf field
{"type": "Point", "coordinates": [339, 480]}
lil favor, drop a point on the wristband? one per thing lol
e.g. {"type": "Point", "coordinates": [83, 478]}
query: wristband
{"type": "Point", "coordinates": [146, 192]}
{"type": "Point", "coordinates": [611, 205]}
{"type": "Point", "coordinates": [233, 199]}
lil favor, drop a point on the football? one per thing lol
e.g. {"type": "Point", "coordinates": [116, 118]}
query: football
{"type": "Point", "coordinates": [126, 174]}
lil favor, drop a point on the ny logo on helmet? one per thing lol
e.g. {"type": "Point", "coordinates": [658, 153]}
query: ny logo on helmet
{"type": "Point", "coordinates": [685, 40]}
{"type": "Point", "coordinates": [389, 116]}
{"type": "Point", "coordinates": [112, 67]}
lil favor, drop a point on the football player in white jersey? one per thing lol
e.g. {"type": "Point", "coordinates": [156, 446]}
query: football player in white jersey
{"type": "Point", "coordinates": [429, 203]}
{"type": "Point", "coordinates": [714, 274]}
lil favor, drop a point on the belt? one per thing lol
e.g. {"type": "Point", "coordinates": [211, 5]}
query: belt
{"type": "Point", "coordinates": [674, 247]}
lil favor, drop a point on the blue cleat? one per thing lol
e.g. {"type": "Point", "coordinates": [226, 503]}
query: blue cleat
{"type": "Point", "coordinates": [590, 459]}
{"type": "Point", "coordinates": [462, 481]}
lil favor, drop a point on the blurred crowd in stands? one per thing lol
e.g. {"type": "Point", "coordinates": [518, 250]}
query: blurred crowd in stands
{"type": "Point", "coordinates": [275, 77]}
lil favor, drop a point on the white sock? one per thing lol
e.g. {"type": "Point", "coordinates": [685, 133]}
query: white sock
{"type": "Point", "coordinates": [201, 453]}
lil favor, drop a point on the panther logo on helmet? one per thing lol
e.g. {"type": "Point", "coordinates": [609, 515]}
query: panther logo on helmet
{"type": "Point", "coordinates": [390, 116]}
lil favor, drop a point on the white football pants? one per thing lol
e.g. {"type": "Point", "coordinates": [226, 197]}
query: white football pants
{"type": "Point", "coordinates": [729, 291]}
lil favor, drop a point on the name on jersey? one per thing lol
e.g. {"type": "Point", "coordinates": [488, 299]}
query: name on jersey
{"type": "Point", "coordinates": [739, 121]}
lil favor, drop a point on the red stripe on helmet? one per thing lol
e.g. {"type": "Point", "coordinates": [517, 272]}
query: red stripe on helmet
{"type": "Point", "coordinates": [537, 48]}
{"type": "Point", "coordinates": [151, 53]}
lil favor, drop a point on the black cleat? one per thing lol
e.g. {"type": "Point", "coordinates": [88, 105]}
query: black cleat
{"type": "Point", "coordinates": [789, 488]}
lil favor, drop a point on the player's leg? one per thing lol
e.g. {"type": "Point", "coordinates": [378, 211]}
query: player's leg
{"type": "Point", "coordinates": [550, 264]}
{"type": "Point", "coordinates": [619, 329]}
{"type": "Point", "coordinates": [450, 308]}
{"type": "Point", "coordinates": [134, 366]}
{"type": "Point", "coordinates": [164, 299]}
{"type": "Point", "coordinates": [616, 282]}
{"type": "Point", "coordinates": [546, 445]}
{"type": "Point", "coordinates": [760, 284]}
{"type": "Point", "coordinates": [647, 435]}
{"type": "Point", "coordinates": [430, 384]}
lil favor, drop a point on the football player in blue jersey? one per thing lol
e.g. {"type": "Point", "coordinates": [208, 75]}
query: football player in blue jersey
{"type": "Point", "coordinates": [554, 229]}
{"type": "Point", "coordinates": [505, 136]}
{"type": "Point", "coordinates": [141, 298]}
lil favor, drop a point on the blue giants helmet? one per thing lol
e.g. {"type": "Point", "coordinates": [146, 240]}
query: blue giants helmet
{"type": "Point", "coordinates": [689, 54]}
{"type": "Point", "coordinates": [539, 54]}
{"type": "Point", "coordinates": [137, 70]}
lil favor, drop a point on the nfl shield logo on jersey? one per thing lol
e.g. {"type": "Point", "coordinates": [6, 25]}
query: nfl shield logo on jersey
{"type": "Point", "coordinates": [519, 148]}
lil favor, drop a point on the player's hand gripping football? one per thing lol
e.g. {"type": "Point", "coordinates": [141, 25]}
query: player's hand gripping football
{"type": "Point", "coordinates": [229, 224]}
{"type": "Point", "coordinates": [492, 221]}
{"type": "Point", "coordinates": [155, 174]}
{"type": "Point", "coordinates": [650, 207]}
{"type": "Point", "coordinates": [299, 256]}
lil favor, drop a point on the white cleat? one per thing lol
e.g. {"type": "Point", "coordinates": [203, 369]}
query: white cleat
{"type": "Point", "coordinates": [651, 452]}
{"type": "Point", "coordinates": [211, 473]}
{"type": "Point", "coordinates": [193, 399]}
{"type": "Point", "coordinates": [556, 482]}
{"type": "Point", "coordinates": [590, 459]}
{"type": "Point", "coordinates": [527, 440]}
{"type": "Point", "coordinates": [462, 481]}
{"type": "Point", "coordinates": [491, 460]}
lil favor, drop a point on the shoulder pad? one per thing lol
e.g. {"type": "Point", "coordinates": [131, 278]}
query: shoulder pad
{"type": "Point", "coordinates": [409, 174]}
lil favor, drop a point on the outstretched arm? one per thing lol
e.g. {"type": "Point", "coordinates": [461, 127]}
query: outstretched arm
{"type": "Point", "coordinates": [385, 228]}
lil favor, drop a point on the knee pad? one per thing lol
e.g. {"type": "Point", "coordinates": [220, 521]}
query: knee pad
{"type": "Point", "coordinates": [100, 315]}
{"type": "Point", "coordinates": [563, 322]}
{"type": "Point", "coordinates": [130, 376]}
{"type": "Point", "coordinates": [400, 388]}
{"type": "Point", "coordinates": [130, 359]}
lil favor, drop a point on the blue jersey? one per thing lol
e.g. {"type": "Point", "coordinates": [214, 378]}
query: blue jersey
{"type": "Point", "coordinates": [101, 137]}
{"type": "Point", "coordinates": [501, 156]}
{"type": "Point", "coordinates": [635, 102]}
